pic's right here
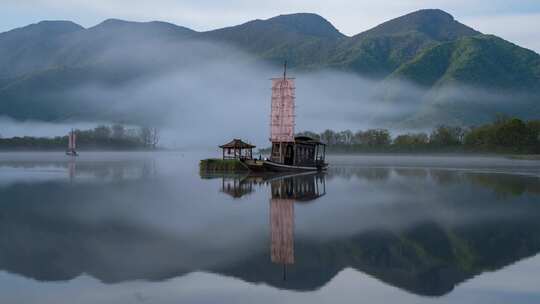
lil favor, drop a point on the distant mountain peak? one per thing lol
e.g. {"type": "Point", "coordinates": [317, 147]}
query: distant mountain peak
{"type": "Point", "coordinates": [308, 23]}
{"type": "Point", "coordinates": [59, 23]}
{"type": "Point", "coordinates": [435, 23]}
{"type": "Point", "coordinates": [304, 24]}
{"type": "Point", "coordinates": [49, 26]}
{"type": "Point", "coordinates": [154, 27]}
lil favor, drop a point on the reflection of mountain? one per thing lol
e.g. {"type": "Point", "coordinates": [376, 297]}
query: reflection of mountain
{"type": "Point", "coordinates": [70, 235]}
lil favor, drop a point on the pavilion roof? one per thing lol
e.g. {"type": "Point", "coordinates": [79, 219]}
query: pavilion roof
{"type": "Point", "coordinates": [237, 143]}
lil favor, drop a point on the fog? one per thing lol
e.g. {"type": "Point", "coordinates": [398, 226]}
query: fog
{"type": "Point", "coordinates": [214, 92]}
{"type": "Point", "coordinates": [10, 127]}
{"type": "Point", "coordinates": [201, 94]}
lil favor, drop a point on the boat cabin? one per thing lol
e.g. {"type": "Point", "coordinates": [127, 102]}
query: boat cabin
{"type": "Point", "coordinates": [304, 151]}
{"type": "Point", "coordinates": [237, 149]}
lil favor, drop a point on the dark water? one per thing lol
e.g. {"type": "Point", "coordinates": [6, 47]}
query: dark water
{"type": "Point", "coordinates": [148, 228]}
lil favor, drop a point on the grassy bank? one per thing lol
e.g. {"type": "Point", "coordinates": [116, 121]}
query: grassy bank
{"type": "Point", "coordinates": [221, 165]}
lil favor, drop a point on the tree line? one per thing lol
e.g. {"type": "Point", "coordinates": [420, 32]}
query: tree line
{"type": "Point", "coordinates": [504, 135]}
{"type": "Point", "coordinates": [114, 137]}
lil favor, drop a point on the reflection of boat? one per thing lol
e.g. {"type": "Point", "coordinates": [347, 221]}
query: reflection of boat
{"type": "Point", "coordinates": [72, 145]}
{"type": "Point", "coordinates": [286, 190]}
{"type": "Point", "coordinates": [301, 187]}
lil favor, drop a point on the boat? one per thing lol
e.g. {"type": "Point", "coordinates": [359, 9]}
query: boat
{"type": "Point", "coordinates": [254, 165]}
{"type": "Point", "coordinates": [290, 152]}
{"type": "Point", "coordinates": [72, 144]}
{"type": "Point", "coordinates": [304, 154]}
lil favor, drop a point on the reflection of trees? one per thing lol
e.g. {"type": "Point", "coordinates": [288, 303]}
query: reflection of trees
{"type": "Point", "coordinates": [412, 172]}
{"type": "Point", "coordinates": [446, 177]}
{"type": "Point", "coordinates": [503, 184]}
{"type": "Point", "coordinates": [506, 184]}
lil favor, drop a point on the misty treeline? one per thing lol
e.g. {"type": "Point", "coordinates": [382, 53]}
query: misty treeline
{"type": "Point", "coordinates": [504, 135]}
{"type": "Point", "coordinates": [116, 136]}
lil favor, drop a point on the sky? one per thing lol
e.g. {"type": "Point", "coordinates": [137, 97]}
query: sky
{"type": "Point", "coordinates": [514, 20]}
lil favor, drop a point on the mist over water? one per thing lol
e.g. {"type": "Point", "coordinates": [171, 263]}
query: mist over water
{"type": "Point", "coordinates": [11, 128]}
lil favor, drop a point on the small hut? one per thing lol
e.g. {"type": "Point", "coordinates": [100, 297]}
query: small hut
{"type": "Point", "coordinates": [237, 149]}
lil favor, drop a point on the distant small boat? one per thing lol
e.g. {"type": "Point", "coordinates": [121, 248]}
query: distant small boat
{"type": "Point", "coordinates": [72, 144]}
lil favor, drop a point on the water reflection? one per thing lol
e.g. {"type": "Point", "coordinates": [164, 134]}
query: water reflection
{"type": "Point", "coordinates": [285, 191]}
{"type": "Point", "coordinates": [422, 230]}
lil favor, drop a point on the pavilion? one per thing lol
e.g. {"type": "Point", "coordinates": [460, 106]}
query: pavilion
{"type": "Point", "coordinates": [237, 149]}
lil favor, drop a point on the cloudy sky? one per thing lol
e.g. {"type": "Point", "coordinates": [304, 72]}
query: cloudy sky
{"type": "Point", "coordinates": [515, 20]}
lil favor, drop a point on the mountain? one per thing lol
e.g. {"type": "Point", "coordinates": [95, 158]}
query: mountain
{"type": "Point", "coordinates": [484, 60]}
{"type": "Point", "coordinates": [434, 24]}
{"type": "Point", "coordinates": [301, 39]}
{"type": "Point", "coordinates": [427, 49]}
{"type": "Point", "coordinates": [34, 47]}
{"type": "Point", "coordinates": [379, 51]}
{"type": "Point", "coordinates": [508, 77]}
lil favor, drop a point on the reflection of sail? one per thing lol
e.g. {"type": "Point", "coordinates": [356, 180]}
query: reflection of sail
{"type": "Point", "coordinates": [72, 170]}
{"type": "Point", "coordinates": [282, 230]}
{"type": "Point", "coordinates": [286, 190]}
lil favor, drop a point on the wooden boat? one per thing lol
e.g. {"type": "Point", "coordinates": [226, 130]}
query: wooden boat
{"type": "Point", "coordinates": [255, 165]}
{"type": "Point", "coordinates": [304, 154]}
{"type": "Point", "coordinates": [277, 167]}
{"type": "Point", "coordinates": [290, 153]}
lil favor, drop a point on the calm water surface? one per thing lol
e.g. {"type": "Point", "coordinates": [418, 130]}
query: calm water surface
{"type": "Point", "coordinates": [148, 228]}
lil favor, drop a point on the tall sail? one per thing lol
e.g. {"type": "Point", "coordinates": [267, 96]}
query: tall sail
{"type": "Point", "coordinates": [282, 114]}
{"type": "Point", "coordinates": [73, 140]}
{"type": "Point", "coordinates": [70, 141]}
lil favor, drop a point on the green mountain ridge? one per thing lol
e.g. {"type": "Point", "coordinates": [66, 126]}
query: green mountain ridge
{"type": "Point", "coordinates": [427, 48]}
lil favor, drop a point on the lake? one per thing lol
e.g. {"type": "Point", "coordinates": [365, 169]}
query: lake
{"type": "Point", "coordinates": [149, 228]}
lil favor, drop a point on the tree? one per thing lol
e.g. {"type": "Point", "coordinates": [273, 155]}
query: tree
{"type": "Point", "coordinates": [310, 134]}
{"type": "Point", "coordinates": [328, 137]}
{"type": "Point", "coordinates": [377, 138]}
{"type": "Point", "coordinates": [118, 131]}
{"type": "Point", "coordinates": [102, 132]}
{"type": "Point", "coordinates": [412, 140]}
{"type": "Point", "coordinates": [149, 137]}
{"type": "Point", "coordinates": [514, 133]}
{"type": "Point", "coordinates": [445, 136]}
{"type": "Point", "coordinates": [345, 137]}
{"type": "Point", "coordinates": [154, 137]}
